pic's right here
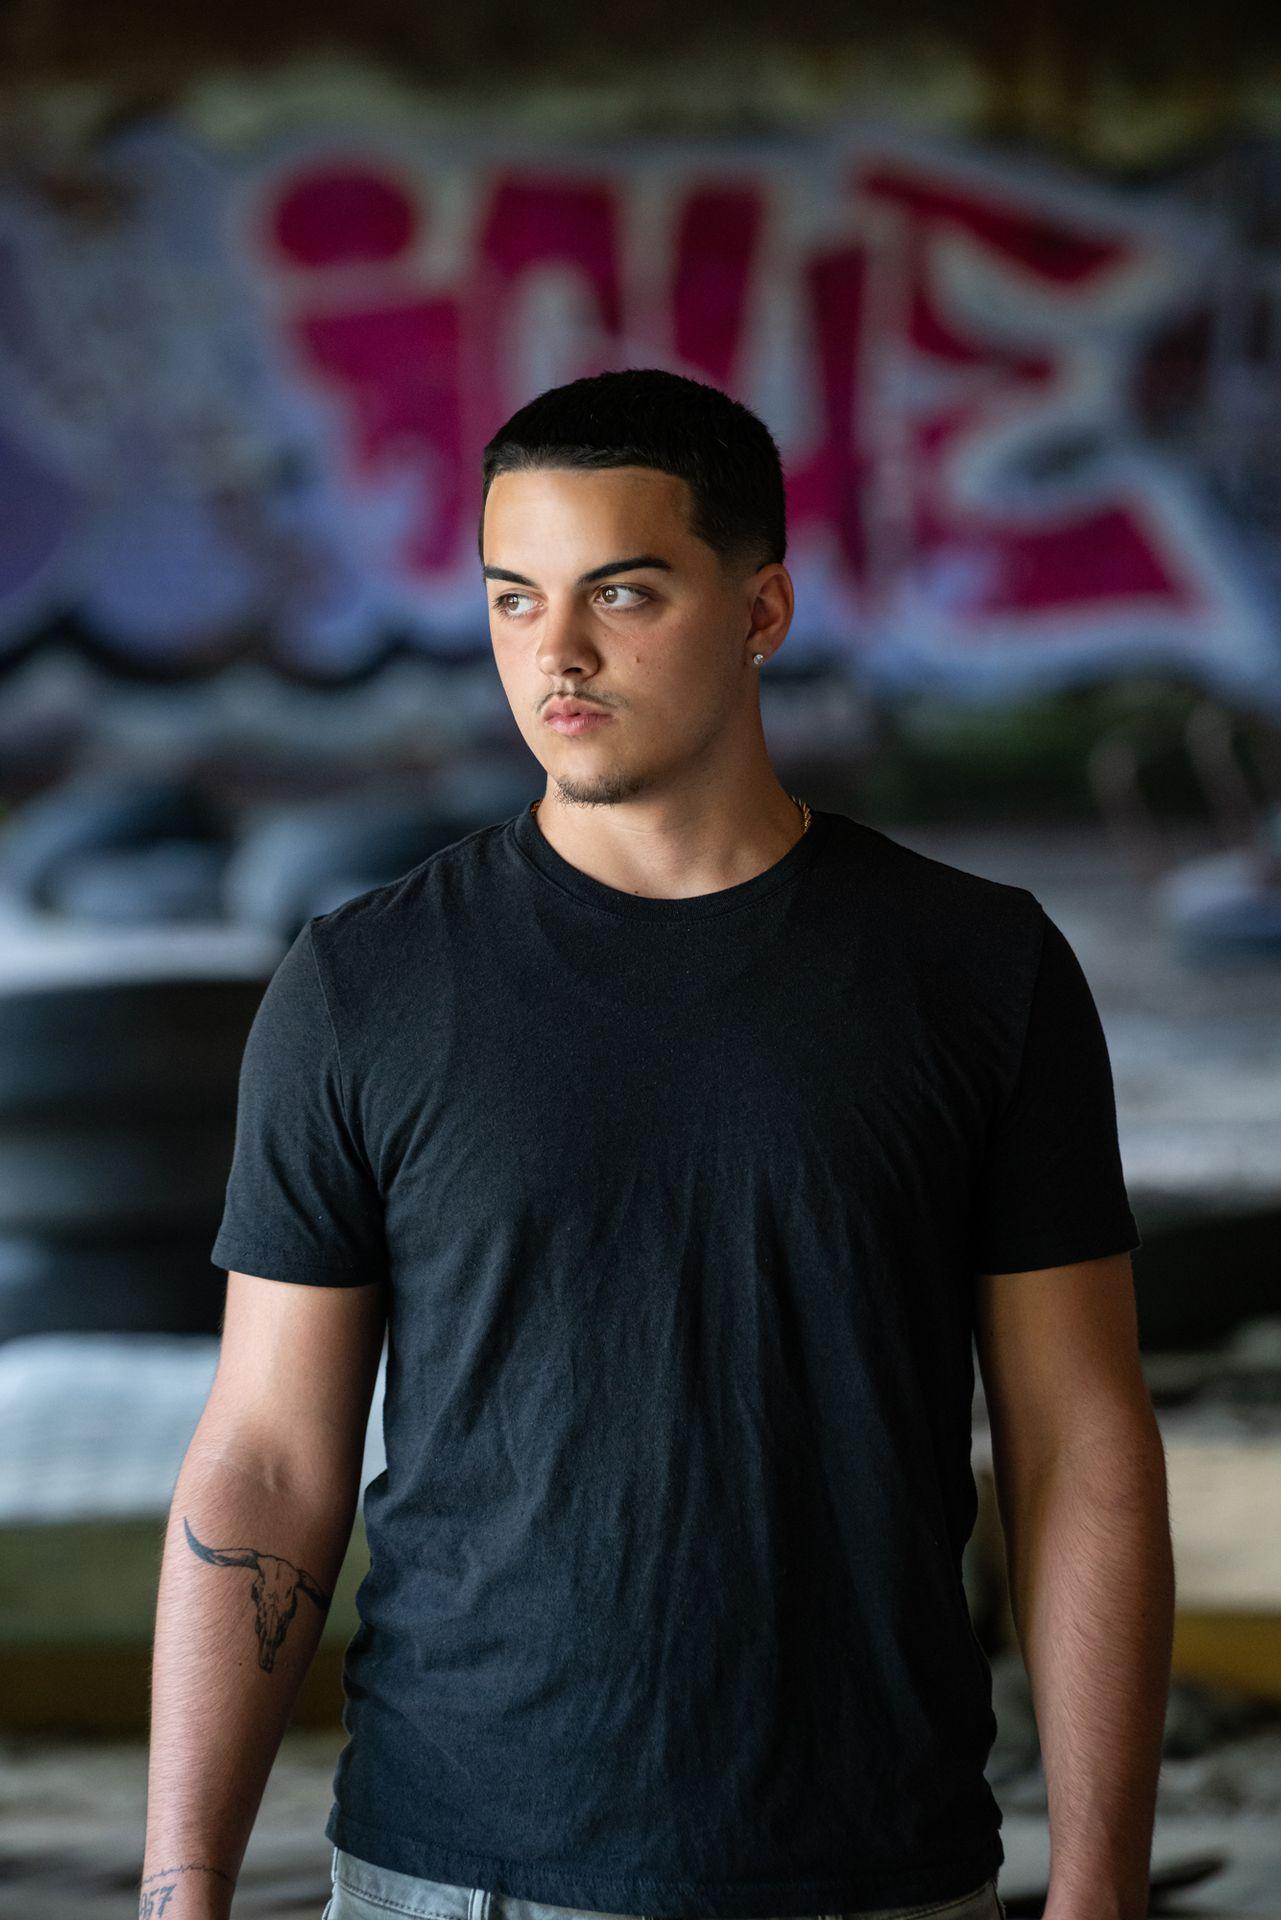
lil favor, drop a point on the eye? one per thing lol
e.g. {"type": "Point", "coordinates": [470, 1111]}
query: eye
{"type": "Point", "coordinates": [616, 587]}
{"type": "Point", "coordinates": [500, 598]}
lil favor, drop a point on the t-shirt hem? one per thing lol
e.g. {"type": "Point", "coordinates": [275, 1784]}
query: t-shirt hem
{"type": "Point", "coordinates": [603, 1892]}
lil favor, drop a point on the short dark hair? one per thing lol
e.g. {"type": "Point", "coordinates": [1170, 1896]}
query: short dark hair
{"type": "Point", "coordinates": [648, 417]}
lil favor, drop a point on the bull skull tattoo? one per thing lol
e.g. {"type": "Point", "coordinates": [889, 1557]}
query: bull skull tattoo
{"type": "Point", "coordinates": [276, 1585]}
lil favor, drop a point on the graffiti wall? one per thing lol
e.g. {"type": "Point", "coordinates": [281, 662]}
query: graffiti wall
{"type": "Point", "coordinates": [1027, 419]}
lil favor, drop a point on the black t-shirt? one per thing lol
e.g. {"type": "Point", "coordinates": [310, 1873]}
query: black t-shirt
{"type": "Point", "coordinates": [679, 1204]}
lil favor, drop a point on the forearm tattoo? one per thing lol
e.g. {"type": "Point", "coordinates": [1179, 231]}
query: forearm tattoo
{"type": "Point", "coordinates": [277, 1582]}
{"type": "Point", "coordinates": [157, 1889]}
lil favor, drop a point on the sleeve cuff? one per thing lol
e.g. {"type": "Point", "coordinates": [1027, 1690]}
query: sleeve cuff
{"type": "Point", "coordinates": [1057, 1250]}
{"type": "Point", "coordinates": [299, 1268]}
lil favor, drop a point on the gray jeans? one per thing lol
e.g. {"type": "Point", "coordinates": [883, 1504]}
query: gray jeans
{"type": "Point", "coordinates": [365, 1892]}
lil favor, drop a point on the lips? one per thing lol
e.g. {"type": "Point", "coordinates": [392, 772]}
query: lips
{"type": "Point", "coordinates": [574, 716]}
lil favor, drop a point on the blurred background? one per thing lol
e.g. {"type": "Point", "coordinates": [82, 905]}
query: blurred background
{"type": "Point", "coordinates": [1006, 286]}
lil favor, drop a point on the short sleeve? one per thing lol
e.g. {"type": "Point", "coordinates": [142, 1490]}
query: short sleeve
{"type": "Point", "coordinates": [1051, 1189]}
{"type": "Point", "coordinates": [301, 1202]}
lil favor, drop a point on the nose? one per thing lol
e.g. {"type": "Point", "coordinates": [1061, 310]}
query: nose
{"type": "Point", "coordinates": [564, 642]}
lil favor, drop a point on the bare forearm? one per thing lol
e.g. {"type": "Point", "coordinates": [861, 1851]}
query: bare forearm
{"type": "Point", "coordinates": [1092, 1590]}
{"type": "Point", "coordinates": [249, 1563]}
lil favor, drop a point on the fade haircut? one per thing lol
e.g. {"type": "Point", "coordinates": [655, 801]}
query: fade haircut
{"type": "Point", "coordinates": [648, 417]}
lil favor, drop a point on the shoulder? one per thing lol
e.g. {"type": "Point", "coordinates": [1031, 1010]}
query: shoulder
{"type": "Point", "coordinates": [379, 940]}
{"type": "Point", "coordinates": [381, 913]}
{"type": "Point", "coordinates": [920, 898]}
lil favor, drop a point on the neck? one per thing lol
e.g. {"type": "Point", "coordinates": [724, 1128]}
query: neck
{"type": "Point", "coordinates": [674, 860]}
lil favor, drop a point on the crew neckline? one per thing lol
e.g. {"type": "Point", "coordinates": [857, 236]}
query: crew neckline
{"type": "Point", "coordinates": [533, 844]}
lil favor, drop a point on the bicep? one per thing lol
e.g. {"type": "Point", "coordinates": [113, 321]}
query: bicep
{"type": "Point", "coordinates": [1058, 1349]}
{"type": "Point", "coordinates": [296, 1371]}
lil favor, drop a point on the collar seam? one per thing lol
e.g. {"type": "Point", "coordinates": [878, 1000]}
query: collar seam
{"type": "Point", "coordinates": [700, 912]}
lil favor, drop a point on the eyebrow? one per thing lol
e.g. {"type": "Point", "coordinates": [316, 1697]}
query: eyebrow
{"type": "Point", "coordinates": [585, 579]}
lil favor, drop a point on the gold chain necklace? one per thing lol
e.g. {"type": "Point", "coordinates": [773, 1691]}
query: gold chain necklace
{"type": "Point", "coordinates": [806, 815]}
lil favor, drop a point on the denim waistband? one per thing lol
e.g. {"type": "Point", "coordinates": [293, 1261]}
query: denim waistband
{"type": "Point", "coordinates": [391, 1892]}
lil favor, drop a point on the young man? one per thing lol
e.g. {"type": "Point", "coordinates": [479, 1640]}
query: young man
{"type": "Point", "coordinates": [683, 1136]}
